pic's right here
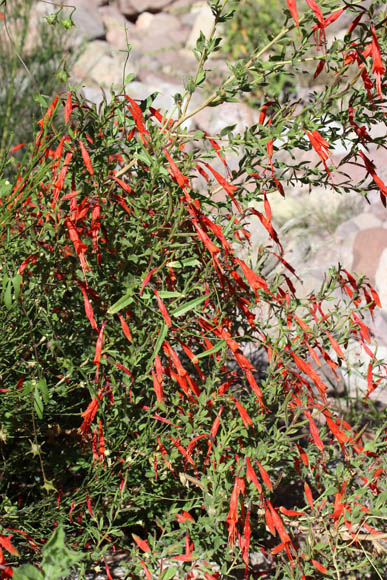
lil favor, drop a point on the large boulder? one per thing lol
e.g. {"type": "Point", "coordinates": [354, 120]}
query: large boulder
{"type": "Point", "coordinates": [99, 65]}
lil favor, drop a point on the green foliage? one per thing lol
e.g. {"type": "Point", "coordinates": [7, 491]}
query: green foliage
{"type": "Point", "coordinates": [57, 560]}
{"type": "Point", "coordinates": [27, 67]}
{"type": "Point", "coordinates": [254, 25]}
{"type": "Point", "coordinates": [160, 395]}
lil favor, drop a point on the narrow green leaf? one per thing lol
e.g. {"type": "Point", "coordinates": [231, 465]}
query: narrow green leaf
{"type": "Point", "coordinates": [170, 294]}
{"type": "Point", "coordinates": [160, 340]}
{"type": "Point", "coordinates": [169, 573]}
{"type": "Point", "coordinates": [189, 306]}
{"type": "Point", "coordinates": [8, 296]}
{"type": "Point", "coordinates": [16, 281]}
{"type": "Point", "coordinates": [228, 227]}
{"type": "Point", "coordinates": [38, 404]}
{"type": "Point", "coordinates": [42, 384]}
{"type": "Point", "coordinates": [212, 350]}
{"type": "Point", "coordinates": [184, 263]}
{"type": "Point", "coordinates": [121, 303]}
{"type": "Point", "coordinates": [4, 282]}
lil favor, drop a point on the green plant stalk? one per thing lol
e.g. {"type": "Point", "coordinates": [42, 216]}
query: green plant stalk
{"type": "Point", "coordinates": [230, 79]}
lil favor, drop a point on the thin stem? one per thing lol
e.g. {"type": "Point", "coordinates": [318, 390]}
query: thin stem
{"type": "Point", "coordinates": [201, 61]}
{"type": "Point", "coordinates": [36, 356]}
{"type": "Point", "coordinates": [126, 168]}
{"type": "Point", "coordinates": [230, 79]}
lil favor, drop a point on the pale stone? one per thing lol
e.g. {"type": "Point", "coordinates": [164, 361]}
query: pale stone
{"type": "Point", "coordinates": [144, 20]}
{"type": "Point", "coordinates": [285, 209]}
{"type": "Point", "coordinates": [96, 95]}
{"type": "Point", "coordinates": [214, 119]}
{"type": "Point", "coordinates": [133, 7]}
{"type": "Point", "coordinates": [99, 65]}
{"type": "Point", "coordinates": [86, 19]}
{"type": "Point", "coordinates": [366, 220]}
{"type": "Point", "coordinates": [159, 32]}
{"type": "Point", "coordinates": [118, 30]}
{"type": "Point", "coordinates": [381, 279]}
{"type": "Point", "coordinates": [204, 22]}
{"type": "Point", "coordinates": [367, 250]}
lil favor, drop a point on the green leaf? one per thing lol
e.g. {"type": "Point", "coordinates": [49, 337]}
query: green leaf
{"type": "Point", "coordinates": [42, 385]}
{"type": "Point", "coordinates": [189, 306]}
{"type": "Point", "coordinates": [16, 281]}
{"type": "Point", "coordinates": [57, 558]}
{"type": "Point", "coordinates": [38, 404]}
{"type": "Point", "coordinates": [41, 99]}
{"type": "Point", "coordinates": [121, 303]}
{"type": "Point", "coordinates": [27, 572]}
{"type": "Point", "coordinates": [226, 130]}
{"type": "Point", "coordinates": [160, 340]}
{"type": "Point", "coordinates": [183, 263]}
{"type": "Point", "coordinates": [228, 227]}
{"type": "Point", "coordinates": [27, 387]}
{"type": "Point", "coordinates": [142, 156]}
{"type": "Point", "coordinates": [169, 573]}
{"type": "Point", "coordinates": [128, 79]}
{"type": "Point", "coordinates": [8, 295]}
{"type": "Point", "coordinates": [168, 294]}
{"type": "Point", "coordinates": [212, 350]}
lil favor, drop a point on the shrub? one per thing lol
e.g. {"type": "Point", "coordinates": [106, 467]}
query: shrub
{"type": "Point", "coordinates": [132, 415]}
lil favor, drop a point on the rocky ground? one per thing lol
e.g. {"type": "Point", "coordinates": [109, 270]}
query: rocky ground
{"type": "Point", "coordinates": [321, 229]}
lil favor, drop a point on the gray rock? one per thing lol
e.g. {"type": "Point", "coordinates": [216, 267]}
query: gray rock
{"type": "Point", "coordinates": [180, 7]}
{"type": "Point", "coordinates": [119, 572]}
{"type": "Point", "coordinates": [98, 3]}
{"type": "Point", "coordinates": [176, 62]}
{"type": "Point", "coordinates": [214, 119]}
{"type": "Point", "coordinates": [347, 229]}
{"type": "Point", "coordinates": [160, 31]}
{"type": "Point", "coordinates": [127, 7]}
{"type": "Point", "coordinates": [96, 95]}
{"type": "Point", "coordinates": [87, 19]}
{"type": "Point", "coordinates": [101, 66]}
{"type": "Point", "coordinates": [118, 30]}
{"type": "Point", "coordinates": [366, 220]}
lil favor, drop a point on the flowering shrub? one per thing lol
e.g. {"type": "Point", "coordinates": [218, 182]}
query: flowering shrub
{"type": "Point", "coordinates": [132, 412]}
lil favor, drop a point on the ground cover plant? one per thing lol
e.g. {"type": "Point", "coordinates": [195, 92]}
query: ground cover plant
{"type": "Point", "coordinates": [134, 414]}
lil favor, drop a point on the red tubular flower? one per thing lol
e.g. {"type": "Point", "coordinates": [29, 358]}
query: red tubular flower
{"type": "Point", "coordinates": [320, 146]}
{"type": "Point", "coordinates": [239, 486]}
{"type": "Point", "coordinates": [293, 11]}
{"type": "Point", "coordinates": [378, 67]}
{"type": "Point", "coordinates": [86, 158]}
